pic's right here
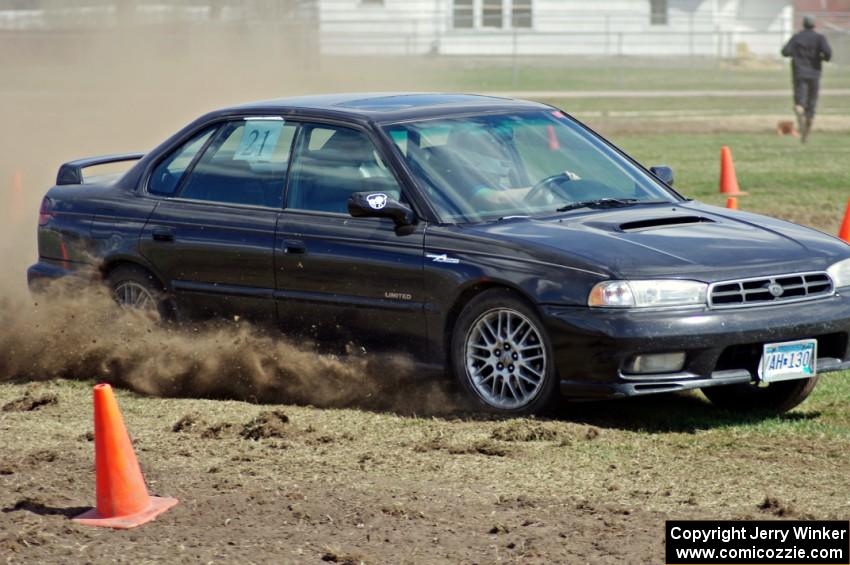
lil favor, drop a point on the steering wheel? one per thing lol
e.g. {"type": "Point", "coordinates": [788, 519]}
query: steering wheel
{"type": "Point", "coordinates": [543, 193]}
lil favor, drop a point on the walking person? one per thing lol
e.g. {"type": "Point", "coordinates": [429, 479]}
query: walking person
{"type": "Point", "coordinates": [807, 49]}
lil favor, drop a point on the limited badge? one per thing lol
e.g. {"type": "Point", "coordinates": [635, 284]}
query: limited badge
{"type": "Point", "coordinates": [377, 201]}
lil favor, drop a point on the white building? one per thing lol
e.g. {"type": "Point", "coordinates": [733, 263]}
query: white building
{"type": "Point", "coordinates": [713, 28]}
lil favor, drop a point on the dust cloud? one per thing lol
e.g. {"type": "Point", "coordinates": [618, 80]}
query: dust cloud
{"type": "Point", "coordinates": [79, 332]}
{"type": "Point", "coordinates": [77, 93]}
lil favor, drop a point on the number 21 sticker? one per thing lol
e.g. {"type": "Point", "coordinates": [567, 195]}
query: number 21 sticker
{"type": "Point", "coordinates": [259, 140]}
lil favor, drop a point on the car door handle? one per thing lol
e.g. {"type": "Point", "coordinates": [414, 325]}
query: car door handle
{"type": "Point", "coordinates": [163, 234]}
{"type": "Point", "coordinates": [294, 246]}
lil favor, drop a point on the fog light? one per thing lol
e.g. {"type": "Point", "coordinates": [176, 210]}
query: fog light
{"type": "Point", "coordinates": [656, 363]}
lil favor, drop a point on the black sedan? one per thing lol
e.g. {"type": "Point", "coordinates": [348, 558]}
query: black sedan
{"type": "Point", "coordinates": [498, 239]}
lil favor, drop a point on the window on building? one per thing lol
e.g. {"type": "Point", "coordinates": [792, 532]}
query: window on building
{"type": "Point", "coordinates": [658, 12]}
{"type": "Point", "coordinates": [521, 14]}
{"type": "Point", "coordinates": [491, 13]}
{"type": "Point", "coordinates": [463, 14]}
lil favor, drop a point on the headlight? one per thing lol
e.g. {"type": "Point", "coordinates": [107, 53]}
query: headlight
{"type": "Point", "coordinates": [647, 294]}
{"type": "Point", "coordinates": [840, 273]}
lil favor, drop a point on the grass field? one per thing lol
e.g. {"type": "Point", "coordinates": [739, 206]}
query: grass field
{"type": "Point", "coordinates": [809, 185]}
{"type": "Point", "coordinates": [593, 482]}
{"type": "Point", "coordinates": [580, 73]}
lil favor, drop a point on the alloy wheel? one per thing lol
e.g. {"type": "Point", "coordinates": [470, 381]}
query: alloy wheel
{"type": "Point", "coordinates": [131, 294]}
{"type": "Point", "coordinates": [505, 358]}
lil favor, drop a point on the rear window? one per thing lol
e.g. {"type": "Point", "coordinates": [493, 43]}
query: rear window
{"type": "Point", "coordinates": [167, 175]}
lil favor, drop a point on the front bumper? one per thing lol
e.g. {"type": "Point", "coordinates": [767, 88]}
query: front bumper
{"type": "Point", "coordinates": [592, 346]}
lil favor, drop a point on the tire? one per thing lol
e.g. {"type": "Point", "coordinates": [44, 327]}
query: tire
{"type": "Point", "coordinates": [522, 379]}
{"type": "Point", "coordinates": [135, 287]}
{"type": "Point", "coordinates": [775, 398]}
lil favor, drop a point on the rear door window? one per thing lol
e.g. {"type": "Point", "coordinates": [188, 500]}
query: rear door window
{"type": "Point", "coordinates": [245, 163]}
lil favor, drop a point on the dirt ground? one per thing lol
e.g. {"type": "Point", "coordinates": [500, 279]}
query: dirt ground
{"type": "Point", "coordinates": [303, 485]}
{"type": "Point", "coordinates": [276, 487]}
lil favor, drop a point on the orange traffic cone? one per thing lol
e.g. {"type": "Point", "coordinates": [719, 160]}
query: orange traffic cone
{"type": "Point", "coordinates": [728, 179]}
{"type": "Point", "coordinates": [844, 232]}
{"type": "Point", "coordinates": [732, 203]}
{"type": "Point", "coordinates": [122, 498]}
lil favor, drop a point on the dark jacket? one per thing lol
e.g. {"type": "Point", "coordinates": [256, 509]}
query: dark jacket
{"type": "Point", "coordinates": [807, 49]}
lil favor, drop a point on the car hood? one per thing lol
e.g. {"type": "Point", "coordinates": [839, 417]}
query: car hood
{"type": "Point", "coordinates": [688, 240]}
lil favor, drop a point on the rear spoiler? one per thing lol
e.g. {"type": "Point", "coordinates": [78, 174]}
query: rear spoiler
{"type": "Point", "coordinates": [72, 172]}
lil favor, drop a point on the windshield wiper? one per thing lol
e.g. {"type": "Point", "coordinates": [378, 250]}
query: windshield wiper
{"type": "Point", "coordinates": [600, 203]}
{"type": "Point", "coordinates": [609, 203]}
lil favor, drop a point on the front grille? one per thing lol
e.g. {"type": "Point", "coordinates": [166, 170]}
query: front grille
{"type": "Point", "coordinates": [769, 290]}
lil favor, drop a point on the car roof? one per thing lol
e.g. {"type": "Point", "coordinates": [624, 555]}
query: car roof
{"type": "Point", "coordinates": [388, 106]}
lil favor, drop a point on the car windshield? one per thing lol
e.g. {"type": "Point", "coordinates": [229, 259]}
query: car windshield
{"type": "Point", "coordinates": [480, 168]}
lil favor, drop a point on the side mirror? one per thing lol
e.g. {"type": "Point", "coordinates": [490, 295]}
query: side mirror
{"type": "Point", "coordinates": [664, 173]}
{"type": "Point", "coordinates": [380, 205]}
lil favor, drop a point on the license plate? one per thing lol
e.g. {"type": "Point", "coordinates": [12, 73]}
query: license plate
{"type": "Point", "coordinates": [790, 360]}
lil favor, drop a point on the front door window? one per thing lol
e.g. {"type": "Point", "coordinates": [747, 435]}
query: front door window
{"type": "Point", "coordinates": [332, 163]}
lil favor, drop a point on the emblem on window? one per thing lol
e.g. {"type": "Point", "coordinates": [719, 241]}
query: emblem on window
{"type": "Point", "coordinates": [377, 201]}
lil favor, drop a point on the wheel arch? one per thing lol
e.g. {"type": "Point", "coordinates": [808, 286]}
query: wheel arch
{"type": "Point", "coordinates": [111, 264]}
{"type": "Point", "coordinates": [470, 291]}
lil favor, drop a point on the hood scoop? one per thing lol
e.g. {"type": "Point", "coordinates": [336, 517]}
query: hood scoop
{"type": "Point", "coordinates": [659, 223]}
